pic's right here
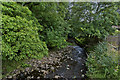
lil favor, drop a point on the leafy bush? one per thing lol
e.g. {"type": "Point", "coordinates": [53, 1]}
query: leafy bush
{"type": "Point", "coordinates": [55, 39]}
{"type": "Point", "coordinates": [55, 28]}
{"type": "Point", "coordinates": [100, 64]}
{"type": "Point", "coordinates": [20, 37]}
{"type": "Point", "coordinates": [25, 65]}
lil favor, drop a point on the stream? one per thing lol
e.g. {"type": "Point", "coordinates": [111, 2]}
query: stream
{"type": "Point", "coordinates": [72, 67]}
{"type": "Point", "coordinates": [68, 65]}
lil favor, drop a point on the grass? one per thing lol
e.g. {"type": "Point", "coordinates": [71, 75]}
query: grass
{"type": "Point", "coordinates": [97, 60]}
{"type": "Point", "coordinates": [9, 66]}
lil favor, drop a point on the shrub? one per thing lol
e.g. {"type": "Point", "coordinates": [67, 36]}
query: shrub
{"type": "Point", "coordinates": [100, 64]}
{"type": "Point", "coordinates": [20, 37]}
{"type": "Point", "coordinates": [54, 39]}
{"type": "Point", "coordinates": [55, 28]}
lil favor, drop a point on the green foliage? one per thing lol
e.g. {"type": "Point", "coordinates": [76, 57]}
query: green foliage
{"type": "Point", "coordinates": [116, 32]}
{"type": "Point", "coordinates": [25, 65]}
{"type": "Point", "coordinates": [20, 38]}
{"type": "Point", "coordinates": [100, 64]}
{"type": "Point", "coordinates": [55, 28]}
{"type": "Point", "coordinates": [93, 20]}
{"type": "Point", "coordinates": [55, 39]}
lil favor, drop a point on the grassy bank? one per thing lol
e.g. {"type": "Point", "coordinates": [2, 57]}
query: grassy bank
{"type": "Point", "coordinates": [103, 59]}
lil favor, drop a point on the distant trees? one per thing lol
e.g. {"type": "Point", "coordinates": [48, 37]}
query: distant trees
{"type": "Point", "coordinates": [93, 20]}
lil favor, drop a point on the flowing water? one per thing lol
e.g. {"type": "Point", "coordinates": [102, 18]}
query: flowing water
{"type": "Point", "coordinates": [72, 66]}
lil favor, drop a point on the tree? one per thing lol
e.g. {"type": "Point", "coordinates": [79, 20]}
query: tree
{"type": "Point", "coordinates": [93, 20]}
{"type": "Point", "coordinates": [52, 17]}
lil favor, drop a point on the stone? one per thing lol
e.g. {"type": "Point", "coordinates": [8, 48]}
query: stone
{"type": "Point", "coordinates": [9, 77]}
{"type": "Point", "coordinates": [83, 75]}
{"type": "Point", "coordinates": [57, 76]}
{"type": "Point", "coordinates": [27, 69]}
{"type": "Point", "coordinates": [68, 65]}
{"type": "Point", "coordinates": [32, 77]}
{"type": "Point", "coordinates": [32, 70]}
{"type": "Point", "coordinates": [38, 77]}
{"type": "Point", "coordinates": [37, 69]}
{"type": "Point", "coordinates": [14, 77]}
{"type": "Point", "coordinates": [57, 66]}
{"type": "Point", "coordinates": [81, 70]}
{"type": "Point", "coordinates": [44, 71]}
{"type": "Point", "coordinates": [50, 59]}
{"type": "Point", "coordinates": [28, 77]}
{"type": "Point", "coordinates": [46, 66]}
{"type": "Point", "coordinates": [68, 68]}
{"type": "Point", "coordinates": [39, 62]}
{"type": "Point", "coordinates": [42, 66]}
{"type": "Point", "coordinates": [82, 64]}
{"type": "Point", "coordinates": [52, 68]}
{"type": "Point", "coordinates": [35, 65]}
{"type": "Point", "coordinates": [25, 73]}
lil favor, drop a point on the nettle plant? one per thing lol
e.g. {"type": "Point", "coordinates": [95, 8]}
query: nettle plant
{"type": "Point", "coordinates": [20, 39]}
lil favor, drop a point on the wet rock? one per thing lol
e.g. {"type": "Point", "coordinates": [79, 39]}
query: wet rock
{"type": "Point", "coordinates": [44, 72]}
{"type": "Point", "coordinates": [83, 75]}
{"type": "Point", "coordinates": [50, 59]}
{"type": "Point", "coordinates": [37, 69]}
{"type": "Point", "coordinates": [9, 77]}
{"type": "Point", "coordinates": [57, 66]}
{"type": "Point", "coordinates": [35, 65]}
{"type": "Point", "coordinates": [52, 68]}
{"type": "Point", "coordinates": [32, 70]}
{"type": "Point", "coordinates": [68, 68]}
{"type": "Point", "coordinates": [39, 62]}
{"type": "Point", "coordinates": [32, 77]}
{"type": "Point", "coordinates": [81, 70]}
{"type": "Point", "coordinates": [82, 64]}
{"type": "Point", "coordinates": [28, 77]}
{"type": "Point", "coordinates": [14, 77]}
{"type": "Point", "coordinates": [22, 75]}
{"type": "Point", "coordinates": [46, 66]}
{"type": "Point", "coordinates": [56, 76]}
{"type": "Point", "coordinates": [25, 73]}
{"type": "Point", "coordinates": [42, 66]}
{"type": "Point", "coordinates": [68, 65]}
{"type": "Point", "coordinates": [27, 69]}
{"type": "Point", "coordinates": [38, 77]}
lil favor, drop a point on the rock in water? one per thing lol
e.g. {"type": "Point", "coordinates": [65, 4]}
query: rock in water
{"type": "Point", "coordinates": [57, 76]}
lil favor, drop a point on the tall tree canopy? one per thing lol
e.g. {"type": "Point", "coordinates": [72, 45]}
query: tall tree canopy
{"type": "Point", "coordinates": [93, 20]}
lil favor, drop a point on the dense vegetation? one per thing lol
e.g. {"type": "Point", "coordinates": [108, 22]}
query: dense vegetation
{"type": "Point", "coordinates": [103, 62]}
{"type": "Point", "coordinates": [30, 29]}
{"type": "Point", "coordinates": [93, 21]}
{"type": "Point", "coordinates": [20, 37]}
